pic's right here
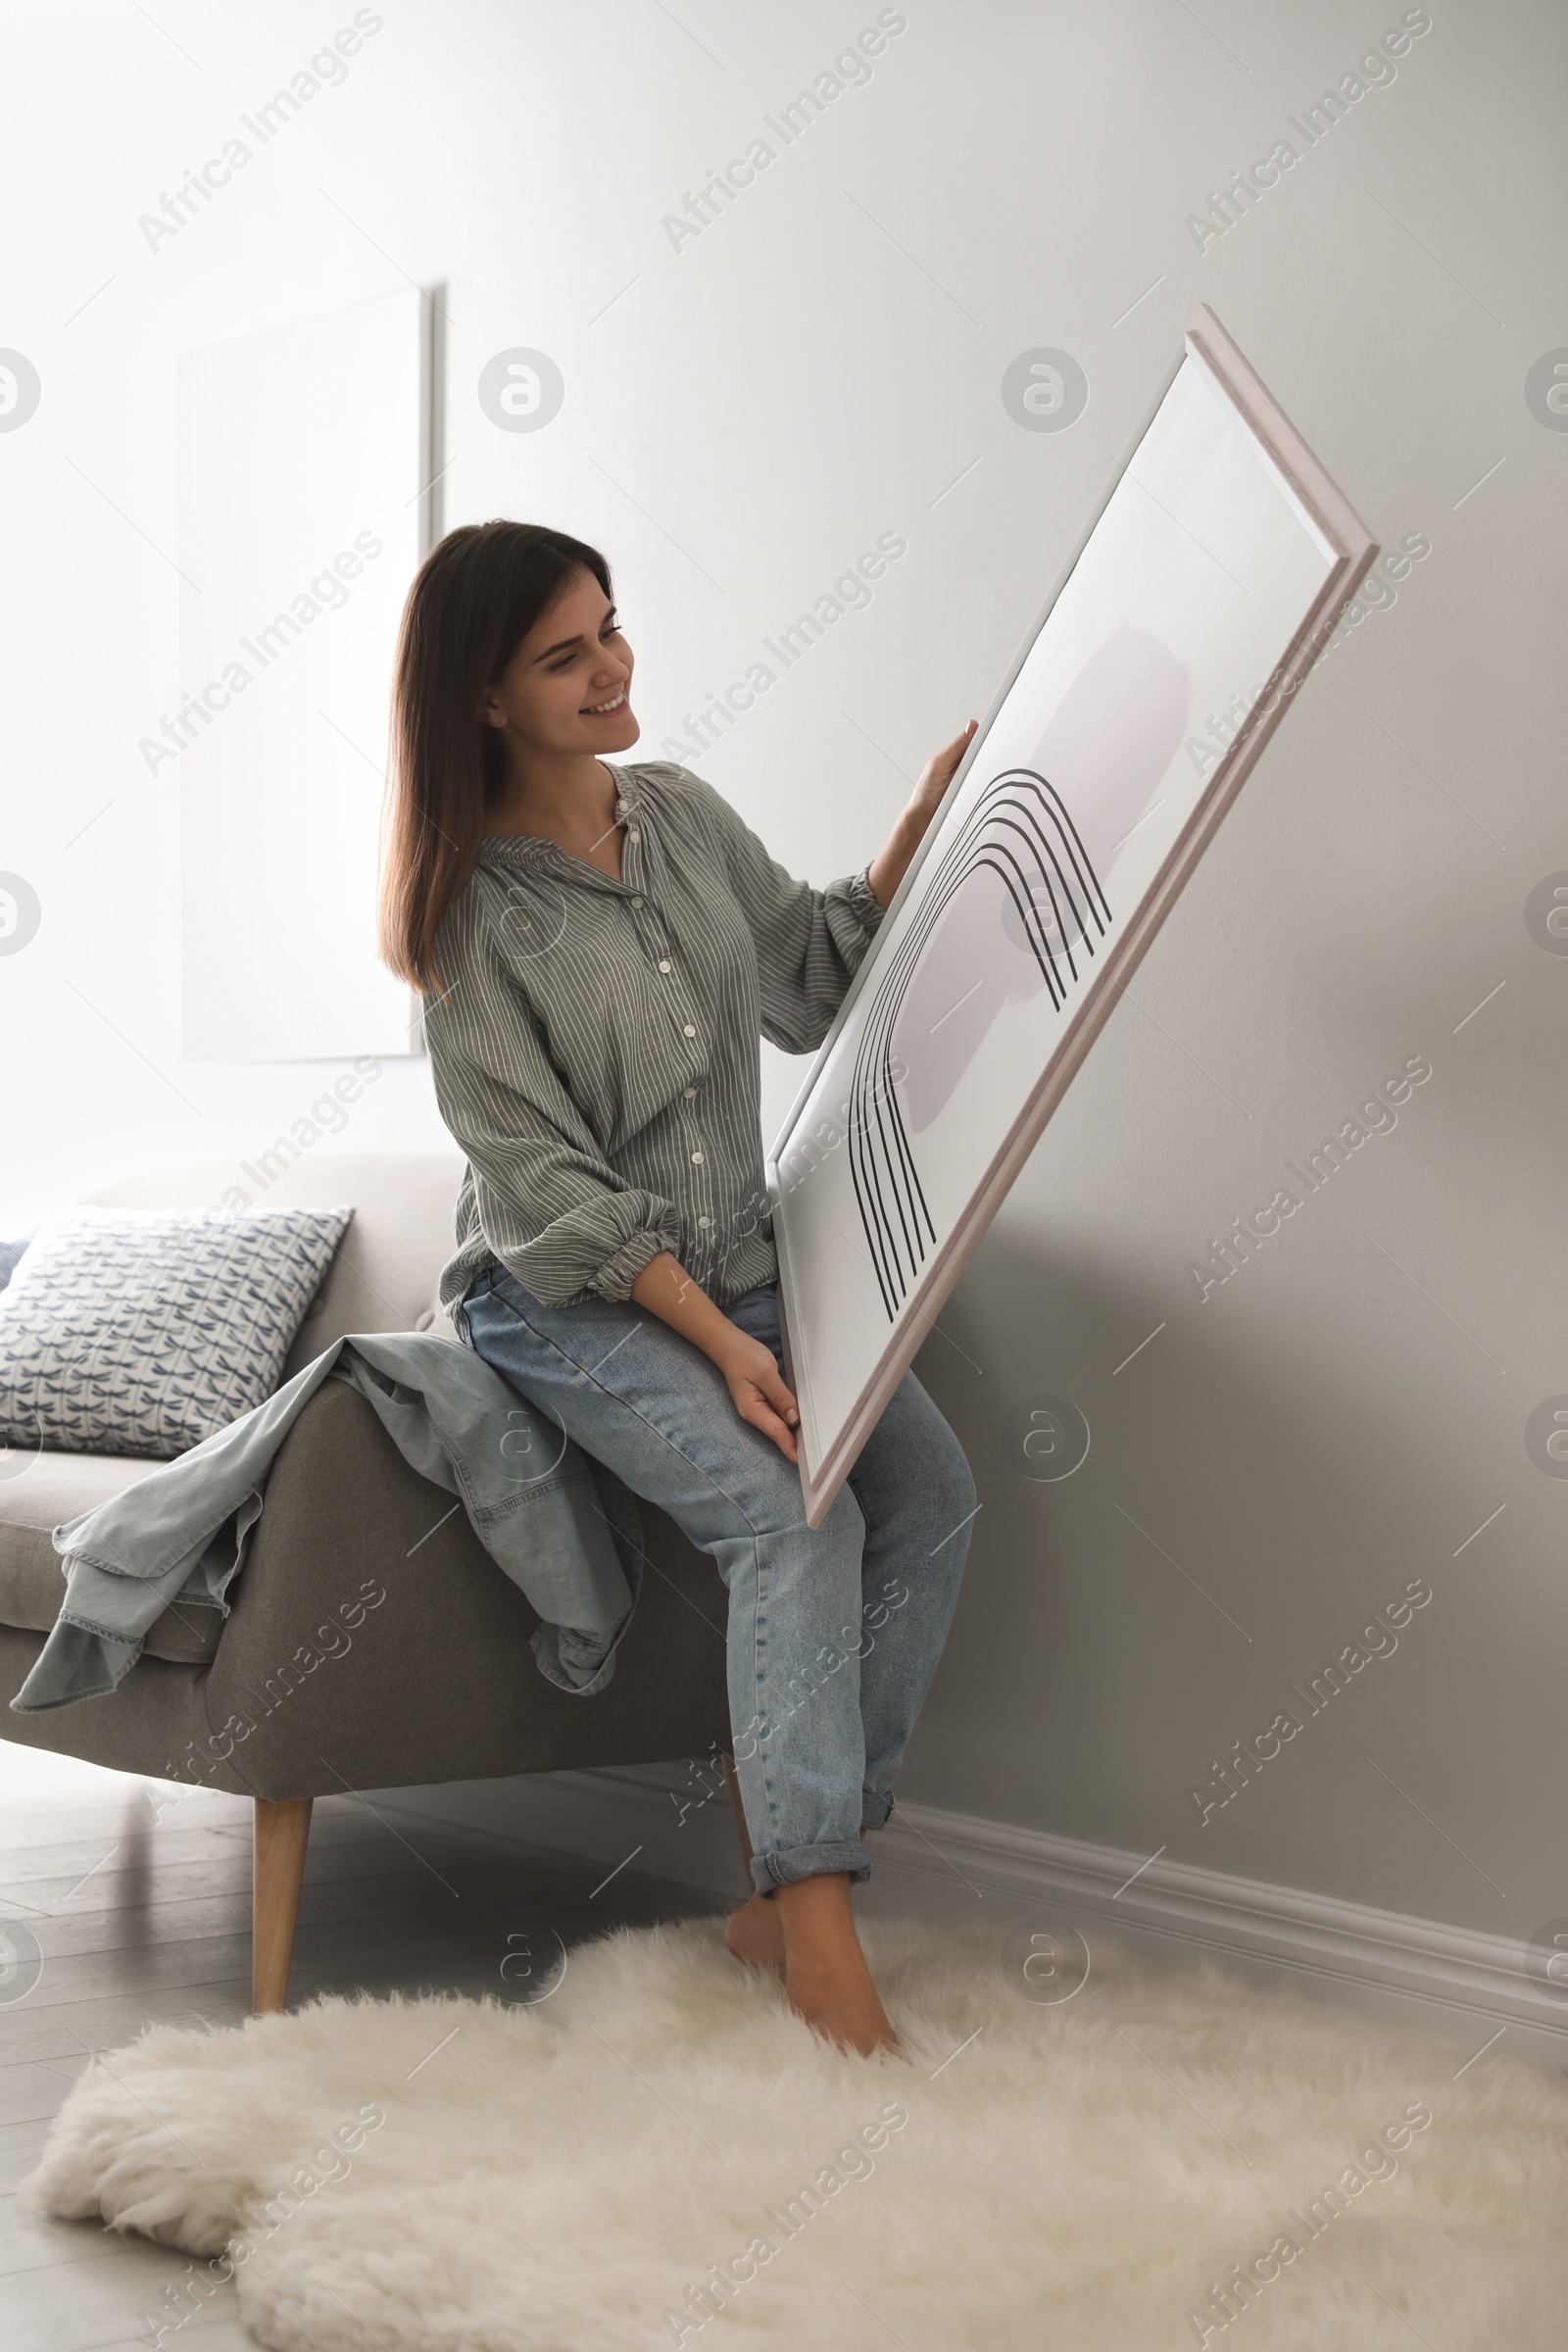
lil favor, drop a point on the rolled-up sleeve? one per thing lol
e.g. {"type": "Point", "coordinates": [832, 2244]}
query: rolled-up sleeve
{"type": "Point", "coordinates": [809, 942]}
{"type": "Point", "coordinates": [552, 1210]}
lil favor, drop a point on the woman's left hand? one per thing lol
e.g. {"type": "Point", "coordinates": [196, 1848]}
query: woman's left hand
{"type": "Point", "coordinates": [938, 774]}
{"type": "Point", "coordinates": [891, 863]}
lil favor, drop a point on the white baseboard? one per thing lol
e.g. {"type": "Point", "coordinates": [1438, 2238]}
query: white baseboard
{"type": "Point", "coordinates": [932, 1860]}
{"type": "Point", "coordinates": [1347, 1948]}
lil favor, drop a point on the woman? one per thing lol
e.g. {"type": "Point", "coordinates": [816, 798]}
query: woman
{"type": "Point", "coordinates": [600, 947]}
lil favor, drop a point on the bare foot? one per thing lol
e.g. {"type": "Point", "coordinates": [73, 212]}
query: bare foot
{"type": "Point", "coordinates": [851, 2015]}
{"type": "Point", "coordinates": [756, 1935]}
{"type": "Point", "coordinates": [826, 1980]}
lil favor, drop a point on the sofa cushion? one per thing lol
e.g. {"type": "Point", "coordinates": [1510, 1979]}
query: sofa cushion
{"type": "Point", "coordinates": [388, 1265]}
{"type": "Point", "coordinates": [38, 1492]}
{"type": "Point", "coordinates": [144, 1331]}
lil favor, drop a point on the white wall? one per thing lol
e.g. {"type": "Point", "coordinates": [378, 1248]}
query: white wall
{"type": "Point", "coordinates": [743, 416]}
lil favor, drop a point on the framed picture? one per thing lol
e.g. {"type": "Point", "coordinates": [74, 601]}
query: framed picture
{"type": "Point", "coordinates": [1217, 566]}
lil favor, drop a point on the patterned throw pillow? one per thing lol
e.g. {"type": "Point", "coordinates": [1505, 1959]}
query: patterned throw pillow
{"type": "Point", "coordinates": [141, 1330]}
{"type": "Point", "coordinates": [11, 1256]}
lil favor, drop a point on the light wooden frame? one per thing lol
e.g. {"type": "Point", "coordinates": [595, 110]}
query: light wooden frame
{"type": "Point", "coordinates": [1353, 548]}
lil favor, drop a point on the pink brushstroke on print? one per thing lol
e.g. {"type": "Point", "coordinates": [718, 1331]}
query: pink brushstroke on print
{"type": "Point", "coordinates": [1105, 748]}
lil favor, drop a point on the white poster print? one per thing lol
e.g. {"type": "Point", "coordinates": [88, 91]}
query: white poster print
{"type": "Point", "coordinates": [1188, 595]}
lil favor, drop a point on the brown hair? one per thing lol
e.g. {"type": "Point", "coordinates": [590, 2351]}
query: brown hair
{"type": "Point", "coordinates": [474, 599]}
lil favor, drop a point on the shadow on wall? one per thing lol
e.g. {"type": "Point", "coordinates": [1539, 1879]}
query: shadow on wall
{"type": "Point", "coordinates": [1142, 1592]}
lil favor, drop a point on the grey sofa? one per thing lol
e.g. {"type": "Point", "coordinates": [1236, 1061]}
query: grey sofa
{"type": "Point", "coordinates": [437, 1681]}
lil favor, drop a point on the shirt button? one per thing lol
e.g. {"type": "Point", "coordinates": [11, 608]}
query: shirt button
{"type": "Point", "coordinates": [704, 1223]}
{"type": "Point", "coordinates": [689, 1031]}
{"type": "Point", "coordinates": [691, 1094]}
{"type": "Point", "coordinates": [696, 1159]}
{"type": "Point", "coordinates": [637, 898]}
{"type": "Point", "coordinates": [664, 963]}
{"type": "Point", "coordinates": [633, 834]}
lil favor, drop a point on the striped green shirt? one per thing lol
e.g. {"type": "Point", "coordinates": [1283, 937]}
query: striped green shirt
{"type": "Point", "coordinates": [596, 1053]}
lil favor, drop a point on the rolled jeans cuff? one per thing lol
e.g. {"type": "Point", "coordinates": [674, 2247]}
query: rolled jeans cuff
{"type": "Point", "coordinates": [789, 1863]}
{"type": "Point", "coordinates": [876, 1808]}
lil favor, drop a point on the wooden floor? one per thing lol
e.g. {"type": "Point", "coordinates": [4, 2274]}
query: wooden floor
{"type": "Point", "coordinates": [138, 1897]}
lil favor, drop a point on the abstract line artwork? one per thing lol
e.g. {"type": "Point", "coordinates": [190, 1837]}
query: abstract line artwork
{"type": "Point", "coordinates": [1021, 834]}
{"type": "Point", "coordinates": [1219, 564]}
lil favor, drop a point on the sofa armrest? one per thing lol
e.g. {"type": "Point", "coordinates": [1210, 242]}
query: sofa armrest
{"type": "Point", "coordinates": [374, 1642]}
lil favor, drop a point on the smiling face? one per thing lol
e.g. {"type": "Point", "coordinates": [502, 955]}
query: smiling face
{"type": "Point", "coordinates": [567, 687]}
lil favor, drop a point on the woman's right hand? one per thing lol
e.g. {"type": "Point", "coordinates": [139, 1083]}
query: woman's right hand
{"type": "Point", "coordinates": [751, 1373]}
{"type": "Point", "coordinates": [759, 1393]}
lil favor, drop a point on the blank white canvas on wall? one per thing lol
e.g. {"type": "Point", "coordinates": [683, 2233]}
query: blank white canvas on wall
{"type": "Point", "coordinates": [303, 472]}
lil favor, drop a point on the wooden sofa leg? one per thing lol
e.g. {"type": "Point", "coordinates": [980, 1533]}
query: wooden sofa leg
{"type": "Point", "coordinates": [732, 1783]}
{"type": "Point", "coordinates": [282, 1832]}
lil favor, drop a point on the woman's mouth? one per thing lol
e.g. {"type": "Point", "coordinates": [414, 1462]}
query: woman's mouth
{"type": "Point", "coordinates": [604, 710]}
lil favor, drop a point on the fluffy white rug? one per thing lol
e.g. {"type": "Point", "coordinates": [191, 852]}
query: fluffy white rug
{"type": "Point", "coordinates": [448, 2176]}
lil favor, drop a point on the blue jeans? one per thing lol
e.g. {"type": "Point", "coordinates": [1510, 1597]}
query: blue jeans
{"type": "Point", "coordinates": [835, 1631]}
